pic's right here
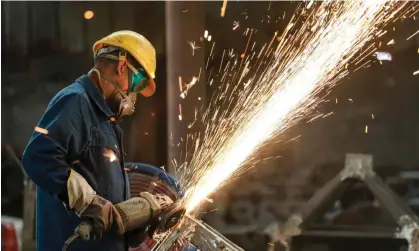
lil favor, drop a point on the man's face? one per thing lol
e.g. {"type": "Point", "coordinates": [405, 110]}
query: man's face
{"type": "Point", "coordinates": [119, 74]}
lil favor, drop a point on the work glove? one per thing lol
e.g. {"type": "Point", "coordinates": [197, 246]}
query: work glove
{"type": "Point", "coordinates": [104, 215]}
{"type": "Point", "coordinates": [84, 201]}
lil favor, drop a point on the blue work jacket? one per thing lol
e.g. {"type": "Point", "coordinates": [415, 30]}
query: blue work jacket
{"type": "Point", "coordinates": [76, 131]}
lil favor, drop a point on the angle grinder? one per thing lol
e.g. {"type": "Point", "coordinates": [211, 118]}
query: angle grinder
{"type": "Point", "coordinates": [158, 210]}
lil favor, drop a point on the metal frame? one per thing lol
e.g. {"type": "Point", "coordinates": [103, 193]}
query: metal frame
{"type": "Point", "coordinates": [358, 167]}
{"type": "Point", "coordinates": [200, 234]}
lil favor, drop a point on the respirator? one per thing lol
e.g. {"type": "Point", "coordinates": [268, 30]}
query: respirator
{"type": "Point", "coordinates": [123, 104]}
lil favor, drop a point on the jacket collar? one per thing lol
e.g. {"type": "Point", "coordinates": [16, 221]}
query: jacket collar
{"type": "Point", "coordinates": [95, 95]}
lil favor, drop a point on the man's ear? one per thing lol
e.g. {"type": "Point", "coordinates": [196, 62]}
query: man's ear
{"type": "Point", "coordinates": [122, 67]}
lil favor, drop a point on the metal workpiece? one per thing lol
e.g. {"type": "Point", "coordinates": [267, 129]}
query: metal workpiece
{"type": "Point", "coordinates": [199, 234]}
{"type": "Point", "coordinates": [184, 230]}
{"type": "Point", "coordinates": [206, 238]}
{"type": "Point", "coordinates": [171, 237]}
{"type": "Point", "coordinates": [357, 166]}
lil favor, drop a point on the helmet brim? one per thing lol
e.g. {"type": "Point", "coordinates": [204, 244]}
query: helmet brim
{"type": "Point", "coordinates": [150, 89]}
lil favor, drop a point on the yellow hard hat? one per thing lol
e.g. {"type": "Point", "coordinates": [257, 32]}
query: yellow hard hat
{"type": "Point", "coordinates": [139, 48]}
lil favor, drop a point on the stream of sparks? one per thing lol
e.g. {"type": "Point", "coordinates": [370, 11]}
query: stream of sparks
{"type": "Point", "coordinates": [312, 60]}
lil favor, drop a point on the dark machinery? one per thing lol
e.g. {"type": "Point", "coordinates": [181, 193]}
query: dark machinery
{"type": "Point", "coordinates": [358, 168]}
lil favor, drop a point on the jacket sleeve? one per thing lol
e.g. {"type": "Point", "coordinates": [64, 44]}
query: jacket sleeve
{"type": "Point", "coordinates": [59, 138]}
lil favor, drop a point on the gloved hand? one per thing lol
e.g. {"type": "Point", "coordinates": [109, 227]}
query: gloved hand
{"type": "Point", "coordinates": [84, 201]}
{"type": "Point", "coordinates": [104, 214]}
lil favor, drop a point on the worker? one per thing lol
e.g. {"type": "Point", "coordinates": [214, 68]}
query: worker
{"type": "Point", "coordinates": [75, 154]}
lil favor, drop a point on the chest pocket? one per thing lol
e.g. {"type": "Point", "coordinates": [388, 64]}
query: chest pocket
{"type": "Point", "coordinates": [108, 142]}
{"type": "Point", "coordinates": [106, 156]}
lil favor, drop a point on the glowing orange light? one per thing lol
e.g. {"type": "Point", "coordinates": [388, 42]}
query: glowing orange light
{"type": "Point", "coordinates": [89, 14]}
{"type": "Point", "coordinates": [109, 153]}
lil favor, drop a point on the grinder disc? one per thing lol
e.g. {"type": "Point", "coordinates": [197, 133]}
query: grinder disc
{"type": "Point", "coordinates": [168, 219]}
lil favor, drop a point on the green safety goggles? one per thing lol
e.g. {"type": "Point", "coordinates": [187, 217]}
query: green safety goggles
{"type": "Point", "coordinates": [139, 79]}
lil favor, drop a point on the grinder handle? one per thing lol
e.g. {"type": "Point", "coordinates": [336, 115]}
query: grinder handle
{"type": "Point", "coordinates": [85, 230]}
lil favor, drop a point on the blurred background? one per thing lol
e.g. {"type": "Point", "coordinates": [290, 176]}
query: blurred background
{"type": "Point", "coordinates": [47, 45]}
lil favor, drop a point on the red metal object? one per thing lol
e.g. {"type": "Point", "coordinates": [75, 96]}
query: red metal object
{"type": "Point", "coordinates": [9, 237]}
{"type": "Point", "coordinates": [148, 245]}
